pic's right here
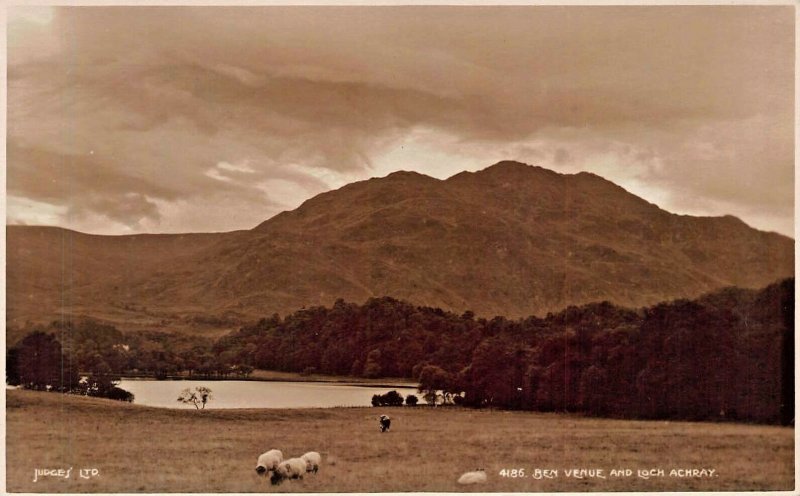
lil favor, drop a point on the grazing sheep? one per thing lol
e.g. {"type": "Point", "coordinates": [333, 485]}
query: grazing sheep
{"type": "Point", "coordinates": [268, 461]}
{"type": "Point", "coordinates": [476, 477]}
{"type": "Point", "coordinates": [312, 460]}
{"type": "Point", "coordinates": [293, 468]}
{"type": "Point", "coordinates": [386, 422]}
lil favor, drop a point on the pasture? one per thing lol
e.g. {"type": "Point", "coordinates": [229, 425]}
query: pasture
{"type": "Point", "coordinates": [141, 449]}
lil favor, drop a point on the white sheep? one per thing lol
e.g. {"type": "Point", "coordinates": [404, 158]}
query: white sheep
{"type": "Point", "coordinates": [476, 477]}
{"type": "Point", "coordinates": [293, 468]}
{"type": "Point", "coordinates": [268, 461]}
{"type": "Point", "coordinates": [312, 460]}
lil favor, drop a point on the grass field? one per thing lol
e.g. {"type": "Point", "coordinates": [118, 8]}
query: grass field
{"type": "Point", "coordinates": [142, 449]}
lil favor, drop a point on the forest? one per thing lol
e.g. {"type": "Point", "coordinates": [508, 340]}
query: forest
{"type": "Point", "coordinates": [728, 355]}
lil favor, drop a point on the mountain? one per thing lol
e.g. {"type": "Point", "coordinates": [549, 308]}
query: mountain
{"type": "Point", "coordinates": [510, 240]}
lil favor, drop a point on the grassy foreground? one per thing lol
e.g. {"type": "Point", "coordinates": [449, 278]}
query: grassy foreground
{"type": "Point", "coordinates": [142, 449]}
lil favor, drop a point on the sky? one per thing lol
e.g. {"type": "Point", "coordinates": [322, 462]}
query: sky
{"type": "Point", "coordinates": [194, 119]}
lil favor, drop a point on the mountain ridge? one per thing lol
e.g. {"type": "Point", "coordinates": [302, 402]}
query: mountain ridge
{"type": "Point", "coordinates": [510, 239]}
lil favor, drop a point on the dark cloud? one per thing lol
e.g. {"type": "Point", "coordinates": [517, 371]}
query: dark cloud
{"type": "Point", "coordinates": [692, 101]}
{"type": "Point", "coordinates": [84, 184]}
{"type": "Point", "coordinates": [130, 209]}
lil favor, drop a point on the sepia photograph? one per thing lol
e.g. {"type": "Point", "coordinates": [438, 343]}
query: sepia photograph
{"type": "Point", "coordinates": [400, 248]}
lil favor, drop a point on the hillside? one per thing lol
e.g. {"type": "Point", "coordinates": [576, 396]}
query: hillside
{"type": "Point", "coordinates": [511, 239]}
{"type": "Point", "coordinates": [50, 269]}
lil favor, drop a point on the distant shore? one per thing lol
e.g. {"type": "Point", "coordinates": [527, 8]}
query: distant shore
{"type": "Point", "coordinates": [277, 376]}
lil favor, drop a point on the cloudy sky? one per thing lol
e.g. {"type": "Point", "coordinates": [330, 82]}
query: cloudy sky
{"type": "Point", "coordinates": [156, 119]}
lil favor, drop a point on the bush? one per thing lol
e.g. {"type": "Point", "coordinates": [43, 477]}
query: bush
{"type": "Point", "coordinates": [412, 400]}
{"type": "Point", "coordinates": [117, 393]}
{"type": "Point", "coordinates": [392, 398]}
{"type": "Point", "coordinates": [98, 385]}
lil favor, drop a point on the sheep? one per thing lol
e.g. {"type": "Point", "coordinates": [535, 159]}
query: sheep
{"type": "Point", "coordinates": [268, 461]}
{"type": "Point", "coordinates": [293, 468]}
{"type": "Point", "coordinates": [386, 422]}
{"type": "Point", "coordinates": [476, 477]}
{"type": "Point", "coordinates": [312, 460]}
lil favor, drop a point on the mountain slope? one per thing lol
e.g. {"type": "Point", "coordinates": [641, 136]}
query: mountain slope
{"type": "Point", "coordinates": [510, 239]}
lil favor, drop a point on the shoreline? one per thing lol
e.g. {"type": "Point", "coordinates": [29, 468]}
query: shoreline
{"type": "Point", "coordinates": [272, 376]}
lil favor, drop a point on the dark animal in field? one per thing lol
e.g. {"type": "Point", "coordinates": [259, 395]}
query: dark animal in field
{"type": "Point", "coordinates": [386, 422]}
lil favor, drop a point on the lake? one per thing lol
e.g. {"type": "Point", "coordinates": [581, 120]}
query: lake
{"type": "Point", "coordinates": [259, 394]}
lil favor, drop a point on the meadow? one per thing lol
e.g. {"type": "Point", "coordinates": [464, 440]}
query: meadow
{"type": "Point", "coordinates": [140, 449]}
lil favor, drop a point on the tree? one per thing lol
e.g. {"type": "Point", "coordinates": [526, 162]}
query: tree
{"type": "Point", "coordinates": [242, 370]}
{"type": "Point", "coordinates": [496, 376]}
{"type": "Point", "coordinates": [393, 398]}
{"type": "Point", "coordinates": [433, 379]}
{"type": "Point", "coordinates": [593, 391]}
{"type": "Point", "coordinates": [372, 368]}
{"type": "Point", "coordinates": [98, 385]}
{"type": "Point", "coordinates": [38, 360]}
{"type": "Point", "coordinates": [12, 367]}
{"type": "Point", "coordinates": [102, 386]}
{"type": "Point", "coordinates": [197, 397]}
{"type": "Point", "coordinates": [412, 400]}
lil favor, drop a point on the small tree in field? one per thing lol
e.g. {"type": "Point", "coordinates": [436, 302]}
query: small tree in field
{"type": "Point", "coordinates": [197, 397]}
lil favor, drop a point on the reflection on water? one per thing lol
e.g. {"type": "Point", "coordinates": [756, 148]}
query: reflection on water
{"type": "Point", "coordinates": [258, 394]}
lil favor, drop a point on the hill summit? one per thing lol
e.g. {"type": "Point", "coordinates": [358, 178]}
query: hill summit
{"type": "Point", "coordinates": [511, 239]}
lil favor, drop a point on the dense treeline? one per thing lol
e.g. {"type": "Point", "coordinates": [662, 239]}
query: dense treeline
{"type": "Point", "coordinates": [57, 356]}
{"type": "Point", "coordinates": [39, 362]}
{"type": "Point", "coordinates": [727, 355]}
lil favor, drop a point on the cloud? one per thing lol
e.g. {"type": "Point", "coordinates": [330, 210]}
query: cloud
{"type": "Point", "coordinates": [243, 167]}
{"type": "Point", "coordinates": [180, 104]}
{"type": "Point", "coordinates": [76, 185]}
{"type": "Point", "coordinates": [25, 211]}
{"type": "Point", "coordinates": [215, 174]}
